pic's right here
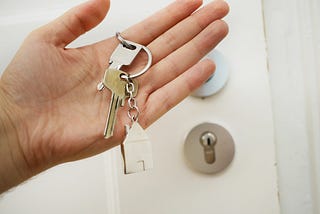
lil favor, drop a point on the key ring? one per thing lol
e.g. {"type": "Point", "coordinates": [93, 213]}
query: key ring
{"type": "Point", "coordinates": [132, 46]}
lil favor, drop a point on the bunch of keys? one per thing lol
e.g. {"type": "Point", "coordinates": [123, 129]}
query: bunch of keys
{"type": "Point", "coordinates": [136, 148]}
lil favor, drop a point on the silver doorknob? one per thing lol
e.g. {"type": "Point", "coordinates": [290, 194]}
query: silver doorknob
{"type": "Point", "coordinates": [209, 148]}
{"type": "Point", "coordinates": [218, 80]}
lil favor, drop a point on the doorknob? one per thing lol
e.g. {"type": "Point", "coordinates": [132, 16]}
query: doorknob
{"type": "Point", "coordinates": [218, 80]}
{"type": "Point", "coordinates": [209, 148]}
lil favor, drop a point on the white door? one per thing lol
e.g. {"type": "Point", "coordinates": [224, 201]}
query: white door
{"type": "Point", "coordinates": [243, 107]}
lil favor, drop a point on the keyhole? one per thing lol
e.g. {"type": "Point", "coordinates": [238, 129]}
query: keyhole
{"type": "Point", "coordinates": [208, 140]}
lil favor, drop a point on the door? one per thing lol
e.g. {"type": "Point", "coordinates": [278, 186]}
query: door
{"type": "Point", "coordinates": [243, 107]}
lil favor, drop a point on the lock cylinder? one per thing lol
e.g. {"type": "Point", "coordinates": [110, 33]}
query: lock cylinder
{"type": "Point", "coordinates": [208, 140]}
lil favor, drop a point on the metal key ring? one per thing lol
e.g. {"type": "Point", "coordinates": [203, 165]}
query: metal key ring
{"type": "Point", "coordinates": [130, 45]}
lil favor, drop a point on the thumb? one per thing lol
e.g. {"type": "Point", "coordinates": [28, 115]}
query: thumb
{"type": "Point", "coordinates": [75, 22]}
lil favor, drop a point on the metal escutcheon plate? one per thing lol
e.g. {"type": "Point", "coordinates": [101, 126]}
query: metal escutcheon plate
{"type": "Point", "coordinates": [224, 149]}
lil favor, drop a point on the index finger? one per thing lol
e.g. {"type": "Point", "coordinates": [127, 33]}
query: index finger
{"type": "Point", "coordinates": [149, 29]}
{"type": "Point", "coordinates": [152, 27]}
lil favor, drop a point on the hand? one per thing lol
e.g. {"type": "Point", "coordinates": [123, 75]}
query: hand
{"type": "Point", "coordinates": [49, 95]}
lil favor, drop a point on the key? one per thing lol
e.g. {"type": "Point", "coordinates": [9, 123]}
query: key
{"type": "Point", "coordinates": [116, 85]}
{"type": "Point", "coordinates": [136, 150]}
{"type": "Point", "coordinates": [121, 56]}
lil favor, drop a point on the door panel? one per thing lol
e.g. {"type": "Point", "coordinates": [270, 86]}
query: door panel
{"type": "Point", "coordinates": [243, 107]}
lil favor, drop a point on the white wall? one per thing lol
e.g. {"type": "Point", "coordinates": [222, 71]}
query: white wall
{"type": "Point", "coordinates": [293, 38]}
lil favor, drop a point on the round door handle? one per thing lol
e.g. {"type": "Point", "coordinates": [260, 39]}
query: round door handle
{"type": "Point", "coordinates": [218, 80]}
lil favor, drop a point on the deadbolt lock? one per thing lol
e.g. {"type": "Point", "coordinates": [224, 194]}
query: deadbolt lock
{"type": "Point", "coordinates": [209, 148]}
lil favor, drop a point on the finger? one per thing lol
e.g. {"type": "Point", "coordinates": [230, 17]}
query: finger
{"type": "Point", "coordinates": [149, 29]}
{"type": "Point", "coordinates": [187, 29]}
{"type": "Point", "coordinates": [75, 22]}
{"type": "Point", "coordinates": [162, 100]}
{"type": "Point", "coordinates": [185, 57]}
{"type": "Point", "coordinates": [183, 32]}
{"type": "Point", "coordinates": [152, 27]}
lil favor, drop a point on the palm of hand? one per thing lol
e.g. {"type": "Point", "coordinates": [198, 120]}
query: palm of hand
{"type": "Point", "coordinates": [57, 92]}
{"type": "Point", "coordinates": [54, 89]}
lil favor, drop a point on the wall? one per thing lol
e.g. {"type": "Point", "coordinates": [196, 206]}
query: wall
{"type": "Point", "coordinates": [293, 39]}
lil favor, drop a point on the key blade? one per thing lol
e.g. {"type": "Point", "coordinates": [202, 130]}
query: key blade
{"type": "Point", "coordinates": [117, 86]}
{"type": "Point", "coordinates": [112, 115]}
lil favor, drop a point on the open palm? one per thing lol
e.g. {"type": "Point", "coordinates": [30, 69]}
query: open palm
{"type": "Point", "coordinates": [52, 89]}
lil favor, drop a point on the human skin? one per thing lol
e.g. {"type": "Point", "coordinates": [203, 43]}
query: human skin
{"type": "Point", "coordinates": [50, 110]}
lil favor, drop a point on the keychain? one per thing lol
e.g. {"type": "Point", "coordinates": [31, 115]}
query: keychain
{"type": "Point", "coordinates": [136, 148]}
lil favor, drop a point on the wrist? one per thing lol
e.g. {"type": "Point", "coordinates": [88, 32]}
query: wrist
{"type": "Point", "coordinates": [13, 166]}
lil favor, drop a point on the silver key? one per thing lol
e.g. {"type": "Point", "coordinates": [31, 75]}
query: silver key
{"type": "Point", "coordinates": [117, 86]}
{"type": "Point", "coordinates": [121, 56]}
